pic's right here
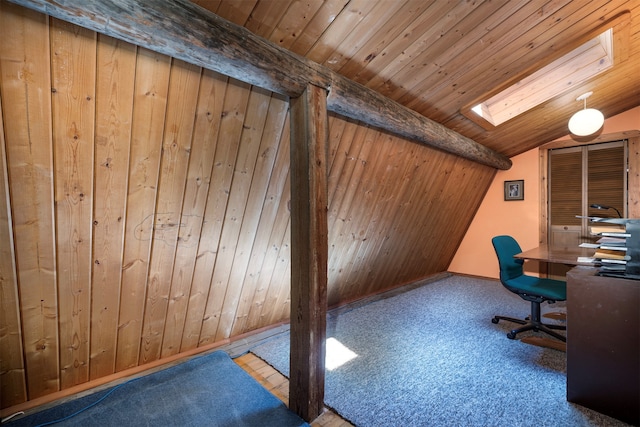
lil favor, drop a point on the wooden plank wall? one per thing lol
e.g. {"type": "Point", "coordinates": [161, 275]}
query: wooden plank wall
{"type": "Point", "coordinates": [145, 207]}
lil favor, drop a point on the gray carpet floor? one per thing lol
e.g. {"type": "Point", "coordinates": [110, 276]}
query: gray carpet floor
{"type": "Point", "coordinates": [432, 357]}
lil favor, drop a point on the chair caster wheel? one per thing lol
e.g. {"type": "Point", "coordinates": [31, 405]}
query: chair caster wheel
{"type": "Point", "coordinates": [511, 336]}
{"type": "Point", "coordinates": [494, 320]}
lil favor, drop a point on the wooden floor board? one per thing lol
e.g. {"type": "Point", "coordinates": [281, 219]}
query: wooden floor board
{"type": "Point", "coordinates": [278, 385]}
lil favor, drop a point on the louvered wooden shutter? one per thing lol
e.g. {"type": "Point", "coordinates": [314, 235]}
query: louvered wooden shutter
{"type": "Point", "coordinates": [565, 186]}
{"type": "Point", "coordinates": [605, 180]}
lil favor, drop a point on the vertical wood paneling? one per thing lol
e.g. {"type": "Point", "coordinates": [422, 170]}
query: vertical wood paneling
{"type": "Point", "coordinates": [149, 106]}
{"type": "Point", "coordinates": [235, 106]}
{"type": "Point", "coordinates": [240, 184]}
{"type": "Point", "coordinates": [368, 186]}
{"type": "Point", "coordinates": [26, 87]}
{"type": "Point", "coordinates": [234, 306]}
{"type": "Point", "coordinates": [114, 106]}
{"type": "Point", "coordinates": [13, 387]}
{"type": "Point", "coordinates": [368, 214]}
{"type": "Point", "coordinates": [341, 221]}
{"type": "Point", "coordinates": [235, 248]}
{"type": "Point", "coordinates": [73, 71]}
{"type": "Point", "coordinates": [273, 223]}
{"type": "Point", "coordinates": [203, 148]}
{"type": "Point", "coordinates": [278, 302]}
{"type": "Point", "coordinates": [402, 178]}
{"type": "Point", "coordinates": [176, 149]}
{"type": "Point", "coordinates": [207, 126]}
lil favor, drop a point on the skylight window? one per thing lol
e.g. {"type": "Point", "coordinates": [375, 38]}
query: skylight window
{"type": "Point", "coordinates": [579, 65]}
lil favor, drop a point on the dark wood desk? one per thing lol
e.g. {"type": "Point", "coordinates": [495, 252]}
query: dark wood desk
{"type": "Point", "coordinates": [603, 335]}
{"type": "Point", "coordinates": [557, 254]}
{"type": "Point", "coordinates": [603, 343]}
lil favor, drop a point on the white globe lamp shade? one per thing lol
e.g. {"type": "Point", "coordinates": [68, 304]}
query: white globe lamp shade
{"type": "Point", "coordinates": [586, 122]}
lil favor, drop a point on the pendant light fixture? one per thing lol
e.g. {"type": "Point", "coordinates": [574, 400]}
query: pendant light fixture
{"type": "Point", "coordinates": [587, 121]}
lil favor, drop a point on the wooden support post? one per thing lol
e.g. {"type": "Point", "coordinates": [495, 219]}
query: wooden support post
{"type": "Point", "coordinates": [309, 251]}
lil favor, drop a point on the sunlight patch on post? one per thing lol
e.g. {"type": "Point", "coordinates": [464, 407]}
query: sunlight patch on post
{"type": "Point", "coordinates": [337, 354]}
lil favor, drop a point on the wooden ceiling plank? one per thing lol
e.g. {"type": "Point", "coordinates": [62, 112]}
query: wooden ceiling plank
{"type": "Point", "coordinates": [563, 37]}
{"type": "Point", "coordinates": [511, 135]}
{"type": "Point", "coordinates": [367, 29]}
{"type": "Point", "coordinates": [403, 47]}
{"type": "Point", "coordinates": [323, 18]}
{"type": "Point", "coordinates": [204, 39]}
{"type": "Point", "coordinates": [265, 16]}
{"type": "Point", "coordinates": [424, 51]}
{"type": "Point", "coordinates": [373, 46]}
{"type": "Point", "coordinates": [296, 18]}
{"type": "Point", "coordinates": [475, 27]}
{"type": "Point", "coordinates": [236, 11]}
{"type": "Point", "coordinates": [542, 37]}
{"type": "Point", "coordinates": [341, 27]}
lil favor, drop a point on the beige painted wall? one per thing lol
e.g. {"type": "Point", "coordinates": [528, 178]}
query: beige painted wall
{"type": "Point", "coordinates": [520, 219]}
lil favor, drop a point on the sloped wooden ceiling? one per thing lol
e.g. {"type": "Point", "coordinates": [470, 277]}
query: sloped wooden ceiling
{"type": "Point", "coordinates": [437, 57]}
{"type": "Point", "coordinates": [145, 200]}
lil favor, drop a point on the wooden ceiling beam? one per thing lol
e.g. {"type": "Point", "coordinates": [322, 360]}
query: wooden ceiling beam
{"type": "Point", "coordinates": [184, 30]}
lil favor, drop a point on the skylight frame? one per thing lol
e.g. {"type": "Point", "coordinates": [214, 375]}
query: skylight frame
{"type": "Point", "coordinates": [572, 69]}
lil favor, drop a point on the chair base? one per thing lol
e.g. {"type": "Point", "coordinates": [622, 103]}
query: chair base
{"type": "Point", "coordinates": [534, 326]}
{"type": "Point", "coordinates": [532, 323]}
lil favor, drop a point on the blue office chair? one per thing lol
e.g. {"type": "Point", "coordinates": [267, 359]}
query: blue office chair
{"type": "Point", "coordinates": [534, 289]}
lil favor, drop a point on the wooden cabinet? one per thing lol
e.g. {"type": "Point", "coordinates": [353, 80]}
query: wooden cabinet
{"type": "Point", "coordinates": [603, 343]}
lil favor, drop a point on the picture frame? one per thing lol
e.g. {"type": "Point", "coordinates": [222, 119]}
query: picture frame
{"type": "Point", "coordinates": [514, 190]}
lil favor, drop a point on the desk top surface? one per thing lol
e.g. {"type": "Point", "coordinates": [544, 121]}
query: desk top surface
{"type": "Point", "coordinates": [557, 254]}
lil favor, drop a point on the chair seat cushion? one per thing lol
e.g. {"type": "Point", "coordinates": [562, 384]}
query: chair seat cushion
{"type": "Point", "coordinates": [548, 288]}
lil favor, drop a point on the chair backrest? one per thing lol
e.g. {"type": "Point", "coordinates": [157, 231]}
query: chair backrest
{"type": "Point", "coordinates": [506, 247]}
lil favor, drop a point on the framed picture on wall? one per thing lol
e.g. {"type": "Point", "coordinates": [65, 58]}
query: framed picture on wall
{"type": "Point", "coordinates": [514, 190]}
